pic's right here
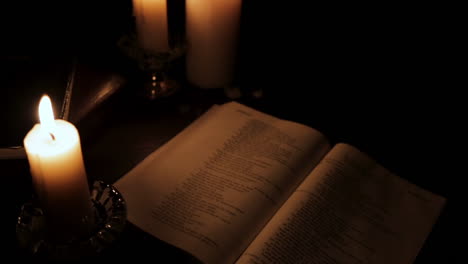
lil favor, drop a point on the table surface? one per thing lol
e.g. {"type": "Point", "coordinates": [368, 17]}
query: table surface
{"type": "Point", "coordinates": [126, 127]}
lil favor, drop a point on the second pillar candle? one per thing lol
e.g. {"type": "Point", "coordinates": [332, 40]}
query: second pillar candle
{"type": "Point", "coordinates": [212, 33]}
{"type": "Point", "coordinates": [151, 24]}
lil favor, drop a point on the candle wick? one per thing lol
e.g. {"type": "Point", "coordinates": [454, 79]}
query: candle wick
{"type": "Point", "coordinates": [52, 136]}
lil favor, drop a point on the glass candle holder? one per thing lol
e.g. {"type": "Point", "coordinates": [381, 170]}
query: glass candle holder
{"type": "Point", "coordinates": [156, 68]}
{"type": "Point", "coordinates": [109, 218]}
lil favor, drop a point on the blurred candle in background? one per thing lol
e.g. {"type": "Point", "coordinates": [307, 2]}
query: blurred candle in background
{"type": "Point", "coordinates": [151, 24]}
{"type": "Point", "coordinates": [212, 36]}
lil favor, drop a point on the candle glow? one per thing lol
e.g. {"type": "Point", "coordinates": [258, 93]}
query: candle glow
{"type": "Point", "coordinates": [46, 116]}
{"type": "Point", "coordinates": [56, 163]}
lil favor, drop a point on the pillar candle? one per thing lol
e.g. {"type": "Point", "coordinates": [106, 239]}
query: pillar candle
{"type": "Point", "coordinates": [59, 178]}
{"type": "Point", "coordinates": [151, 25]}
{"type": "Point", "coordinates": [212, 32]}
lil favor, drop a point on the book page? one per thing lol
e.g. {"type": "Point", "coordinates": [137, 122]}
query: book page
{"type": "Point", "coordinates": [213, 187]}
{"type": "Point", "coordinates": [348, 210]}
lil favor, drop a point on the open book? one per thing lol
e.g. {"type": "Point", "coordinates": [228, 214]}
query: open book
{"type": "Point", "coordinates": [242, 186]}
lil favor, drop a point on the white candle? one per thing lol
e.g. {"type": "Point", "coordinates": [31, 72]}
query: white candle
{"type": "Point", "coordinates": [151, 24]}
{"type": "Point", "coordinates": [212, 32]}
{"type": "Point", "coordinates": [54, 153]}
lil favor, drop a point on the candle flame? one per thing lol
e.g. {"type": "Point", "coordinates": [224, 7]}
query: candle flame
{"type": "Point", "coordinates": [46, 115]}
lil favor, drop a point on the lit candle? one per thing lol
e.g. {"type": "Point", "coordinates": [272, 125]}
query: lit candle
{"type": "Point", "coordinates": [57, 168]}
{"type": "Point", "coordinates": [151, 24]}
{"type": "Point", "coordinates": [212, 31]}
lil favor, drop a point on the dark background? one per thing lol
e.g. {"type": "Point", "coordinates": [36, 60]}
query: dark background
{"type": "Point", "coordinates": [380, 77]}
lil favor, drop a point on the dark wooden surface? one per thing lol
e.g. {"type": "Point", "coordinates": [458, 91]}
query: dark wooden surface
{"type": "Point", "coordinates": [120, 132]}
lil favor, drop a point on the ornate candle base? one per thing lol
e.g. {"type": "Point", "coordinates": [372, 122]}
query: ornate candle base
{"type": "Point", "coordinates": [157, 83]}
{"type": "Point", "coordinates": [156, 68]}
{"type": "Point", "coordinates": [110, 214]}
